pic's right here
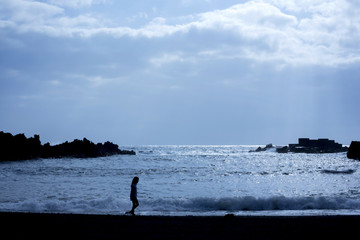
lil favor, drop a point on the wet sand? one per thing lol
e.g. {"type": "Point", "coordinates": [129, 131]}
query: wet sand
{"type": "Point", "coordinates": [83, 226]}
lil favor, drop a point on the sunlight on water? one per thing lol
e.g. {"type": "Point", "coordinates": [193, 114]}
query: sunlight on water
{"type": "Point", "coordinates": [177, 180]}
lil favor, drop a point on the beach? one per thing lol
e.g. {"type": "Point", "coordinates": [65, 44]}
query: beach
{"type": "Point", "coordinates": [85, 226]}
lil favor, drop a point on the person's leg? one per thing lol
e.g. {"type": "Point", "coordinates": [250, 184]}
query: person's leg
{"type": "Point", "coordinates": [135, 205]}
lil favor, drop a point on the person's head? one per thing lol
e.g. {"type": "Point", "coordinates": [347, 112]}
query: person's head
{"type": "Point", "coordinates": [135, 180]}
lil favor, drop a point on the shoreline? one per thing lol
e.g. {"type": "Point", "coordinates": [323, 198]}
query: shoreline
{"type": "Point", "coordinates": [90, 226]}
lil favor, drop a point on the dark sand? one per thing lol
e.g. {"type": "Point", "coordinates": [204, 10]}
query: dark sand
{"type": "Point", "coordinates": [76, 226]}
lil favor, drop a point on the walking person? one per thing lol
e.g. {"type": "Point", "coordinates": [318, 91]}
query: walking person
{"type": "Point", "coordinates": [133, 195]}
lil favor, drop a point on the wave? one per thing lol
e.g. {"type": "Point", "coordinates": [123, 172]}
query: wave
{"type": "Point", "coordinates": [348, 171]}
{"type": "Point", "coordinates": [105, 205]}
{"type": "Point", "coordinates": [248, 203]}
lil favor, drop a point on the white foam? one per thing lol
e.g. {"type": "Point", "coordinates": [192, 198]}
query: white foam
{"type": "Point", "coordinates": [248, 203]}
{"type": "Point", "coordinates": [257, 204]}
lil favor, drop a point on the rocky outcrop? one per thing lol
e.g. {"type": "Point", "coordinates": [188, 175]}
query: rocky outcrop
{"type": "Point", "coordinates": [354, 150]}
{"type": "Point", "coordinates": [82, 149]}
{"type": "Point", "coordinates": [260, 149]}
{"type": "Point", "coordinates": [284, 149]}
{"type": "Point", "coordinates": [19, 147]}
{"type": "Point", "coordinates": [306, 145]}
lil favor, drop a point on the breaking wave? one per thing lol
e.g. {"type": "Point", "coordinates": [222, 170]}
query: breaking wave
{"type": "Point", "coordinates": [248, 203]}
{"type": "Point", "coordinates": [348, 171]}
{"type": "Point", "coordinates": [257, 204]}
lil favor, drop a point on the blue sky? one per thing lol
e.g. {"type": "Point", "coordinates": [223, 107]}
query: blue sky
{"type": "Point", "coordinates": [180, 72]}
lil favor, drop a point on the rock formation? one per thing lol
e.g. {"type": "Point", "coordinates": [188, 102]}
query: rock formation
{"type": "Point", "coordinates": [306, 145]}
{"type": "Point", "coordinates": [354, 150]}
{"type": "Point", "coordinates": [19, 147]}
{"type": "Point", "coordinates": [260, 149]}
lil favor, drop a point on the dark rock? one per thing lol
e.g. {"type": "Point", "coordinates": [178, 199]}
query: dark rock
{"type": "Point", "coordinates": [354, 150]}
{"type": "Point", "coordinates": [85, 149]}
{"type": "Point", "coordinates": [111, 147]}
{"type": "Point", "coordinates": [127, 152]}
{"type": "Point", "coordinates": [322, 145]}
{"type": "Point", "coordinates": [19, 147]}
{"type": "Point", "coordinates": [284, 149]}
{"type": "Point", "coordinates": [260, 149]}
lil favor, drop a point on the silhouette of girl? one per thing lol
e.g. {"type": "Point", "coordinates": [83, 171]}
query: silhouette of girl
{"type": "Point", "coordinates": [133, 195]}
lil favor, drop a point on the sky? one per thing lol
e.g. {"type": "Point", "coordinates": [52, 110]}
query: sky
{"type": "Point", "coordinates": [180, 72]}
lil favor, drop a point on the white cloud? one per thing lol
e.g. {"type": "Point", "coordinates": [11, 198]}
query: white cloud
{"type": "Point", "coordinates": [242, 17]}
{"type": "Point", "coordinates": [21, 12]}
{"type": "Point", "coordinates": [166, 59]}
{"type": "Point", "coordinates": [97, 81]}
{"type": "Point", "coordinates": [288, 31]}
{"type": "Point", "coordinates": [94, 81]}
{"type": "Point", "coordinates": [289, 39]}
{"type": "Point", "coordinates": [76, 22]}
{"type": "Point", "coordinates": [267, 34]}
{"type": "Point", "coordinates": [306, 6]}
{"type": "Point", "coordinates": [46, 18]}
{"type": "Point", "coordinates": [75, 3]}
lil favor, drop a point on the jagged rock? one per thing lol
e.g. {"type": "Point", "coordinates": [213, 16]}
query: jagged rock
{"type": "Point", "coordinates": [260, 149]}
{"type": "Point", "coordinates": [354, 150]}
{"type": "Point", "coordinates": [284, 149]}
{"type": "Point", "coordinates": [19, 147]}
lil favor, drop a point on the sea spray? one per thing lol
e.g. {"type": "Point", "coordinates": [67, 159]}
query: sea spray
{"type": "Point", "coordinates": [112, 205]}
{"type": "Point", "coordinates": [249, 203]}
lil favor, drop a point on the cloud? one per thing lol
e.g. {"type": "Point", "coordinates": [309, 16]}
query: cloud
{"type": "Point", "coordinates": [243, 17]}
{"type": "Point", "coordinates": [287, 32]}
{"type": "Point", "coordinates": [236, 18]}
{"type": "Point", "coordinates": [21, 12]}
{"type": "Point", "coordinates": [75, 3]}
{"type": "Point", "coordinates": [94, 81]}
{"type": "Point", "coordinates": [166, 59]}
{"type": "Point", "coordinates": [39, 17]}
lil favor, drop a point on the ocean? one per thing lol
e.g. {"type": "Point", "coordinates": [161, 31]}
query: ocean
{"type": "Point", "coordinates": [186, 180]}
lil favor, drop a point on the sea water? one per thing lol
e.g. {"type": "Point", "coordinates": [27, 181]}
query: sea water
{"type": "Point", "coordinates": [186, 180]}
